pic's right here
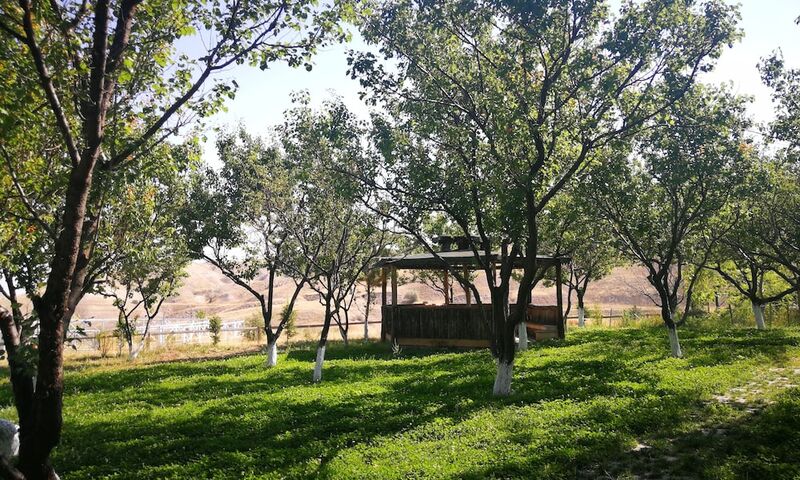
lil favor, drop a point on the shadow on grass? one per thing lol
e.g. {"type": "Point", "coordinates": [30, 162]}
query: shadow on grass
{"type": "Point", "coordinates": [760, 444]}
{"type": "Point", "coordinates": [233, 418]}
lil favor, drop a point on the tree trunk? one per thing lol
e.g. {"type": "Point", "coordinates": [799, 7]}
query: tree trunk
{"type": "Point", "coordinates": [22, 382]}
{"type": "Point", "coordinates": [133, 353]}
{"type": "Point", "coordinates": [503, 377]}
{"type": "Point", "coordinates": [758, 313]}
{"type": "Point", "coordinates": [323, 341]}
{"type": "Point", "coordinates": [272, 352]}
{"type": "Point", "coordinates": [522, 328]}
{"type": "Point", "coordinates": [504, 341]}
{"type": "Point", "coordinates": [317, 377]}
{"type": "Point", "coordinates": [47, 409]}
{"type": "Point", "coordinates": [674, 343]}
{"type": "Point", "coordinates": [581, 310]}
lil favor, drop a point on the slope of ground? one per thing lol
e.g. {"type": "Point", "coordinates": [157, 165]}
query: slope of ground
{"type": "Point", "coordinates": [205, 288]}
{"type": "Point", "coordinates": [603, 404]}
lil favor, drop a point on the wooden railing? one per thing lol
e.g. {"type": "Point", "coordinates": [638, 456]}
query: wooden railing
{"type": "Point", "coordinates": [458, 325]}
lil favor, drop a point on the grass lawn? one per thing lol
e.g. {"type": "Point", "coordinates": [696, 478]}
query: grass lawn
{"type": "Point", "coordinates": [603, 404]}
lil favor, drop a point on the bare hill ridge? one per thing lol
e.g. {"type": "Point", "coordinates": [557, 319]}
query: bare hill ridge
{"type": "Point", "coordinates": [206, 289]}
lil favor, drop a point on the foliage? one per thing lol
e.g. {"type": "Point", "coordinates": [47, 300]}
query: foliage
{"type": "Point", "coordinates": [492, 107]}
{"type": "Point", "coordinates": [215, 328]}
{"type": "Point", "coordinates": [256, 322]}
{"type": "Point", "coordinates": [239, 219]}
{"type": "Point", "coordinates": [675, 190]}
{"type": "Point", "coordinates": [595, 313]}
{"type": "Point", "coordinates": [581, 405]}
{"type": "Point", "coordinates": [335, 237]}
{"type": "Point", "coordinates": [108, 82]}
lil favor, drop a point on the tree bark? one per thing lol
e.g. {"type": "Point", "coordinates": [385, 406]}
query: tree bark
{"type": "Point", "coordinates": [22, 382]}
{"type": "Point", "coordinates": [581, 309]}
{"type": "Point", "coordinates": [758, 314]}
{"type": "Point", "coordinates": [323, 341]}
{"type": "Point", "coordinates": [674, 343]}
{"type": "Point", "coordinates": [504, 341]}
{"type": "Point", "coordinates": [522, 328]}
{"type": "Point", "coordinates": [272, 353]}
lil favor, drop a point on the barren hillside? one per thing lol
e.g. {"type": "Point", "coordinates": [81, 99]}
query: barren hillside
{"type": "Point", "coordinates": [206, 289]}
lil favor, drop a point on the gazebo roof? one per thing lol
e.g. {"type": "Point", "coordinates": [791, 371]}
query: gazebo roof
{"type": "Point", "coordinates": [460, 258]}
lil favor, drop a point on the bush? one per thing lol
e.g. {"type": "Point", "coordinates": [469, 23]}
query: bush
{"type": "Point", "coordinates": [595, 314]}
{"type": "Point", "coordinates": [106, 342]}
{"type": "Point", "coordinates": [215, 328]}
{"type": "Point", "coordinates": [631, 316]}
{"type": "Point", "coordinates": [410, 298]}
{"type": "Point", "coordinates": [255, 324]}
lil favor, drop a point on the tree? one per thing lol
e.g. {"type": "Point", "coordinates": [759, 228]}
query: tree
{"type": "Point", "coordinates": [151, 254]}
{"type": "Point", "coordinates": [753, 256]}
{"type": "Point", "coordinates": [237, 221]}
{"type": "Point", "coordinates": [571, 228]}
{"type": "Point", "coordinates": [334, 239]}
{"type": "Point", "coordinates": [673, 190]}
{"type": "Point", "coordinates": [114, 85]}
{"type": "Point", "coordinates": [494, 106]}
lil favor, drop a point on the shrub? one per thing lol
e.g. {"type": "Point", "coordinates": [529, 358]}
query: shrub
{"type": "Point", "coordinates": [215, 328]}
{"type": "Point", "coordinates": [255, 324]}
{"type": "Point", "coordinates": [595, 314]}
{"type": "Point", "coordinates": [631, 316]}
{"type": "Point", "coordinates": [106, 342]}
{"type": "Point", "coordinates": [410, 298]}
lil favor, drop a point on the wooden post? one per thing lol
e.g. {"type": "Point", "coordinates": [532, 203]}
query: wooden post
{"type": "Point", "coordinates": [383, 303]}
{"type": "Point", "coordinates": [467, 291]}
{"type": "Point", "coordinates": [447, 287]}
{"type": "Point", "coordinates": [562, 324]}
{"type": "Point", "coordinates": [394, 286]}
{"type": "Point", "coordinates": [383, 285]}
{"type": "Point", "coordinates": [394, 303]}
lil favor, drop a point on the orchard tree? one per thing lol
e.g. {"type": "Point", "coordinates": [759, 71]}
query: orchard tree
{"type": "Point", "coordinates": [334, 238]}
{"type": "Point", "coordinates": [753, 256]}
{"type": "Point", "coordinates": [663, 199]}
{"type": "Point", "coordinates": [150, 253]}
{"type": "Point", "coordinates": [236, 219]}
{"type": "Point", "coordinates": [570, 227]}
{"type": "Point", "coordinates": [492, 107]}
{"type": "Point", "coordinates": [114, 85]}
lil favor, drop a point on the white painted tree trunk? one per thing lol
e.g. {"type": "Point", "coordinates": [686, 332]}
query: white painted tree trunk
{"type": "Point", "coordinates": [318, 365]}
{"type": "Point", "coordinates": [133, 353]}
{"type": "Point", "coordinates": [366, 328]}
{"type": "Point", "coordinates": [272, 353]}
{"type": "Point", "coordinates": [674, 343]}
{"type": "Point", "coordinates": [523, 336]}
{"type": "Point", "coordinates": [758, 313]}
{"type": "Point", "coordinates": [581, 317]}
{"type": "Point", "coordinates": [502, 381]}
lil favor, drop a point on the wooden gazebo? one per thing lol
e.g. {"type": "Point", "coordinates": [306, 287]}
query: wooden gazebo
{"type": "Point", "coordinates": [460, 325]}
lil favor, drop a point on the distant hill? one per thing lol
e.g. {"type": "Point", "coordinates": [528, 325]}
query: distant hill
{"type": "Point", "coordinates": [206, 289]}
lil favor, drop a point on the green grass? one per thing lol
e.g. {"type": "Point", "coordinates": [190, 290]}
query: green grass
{"type": "Point", "coordinates": [579, 409]}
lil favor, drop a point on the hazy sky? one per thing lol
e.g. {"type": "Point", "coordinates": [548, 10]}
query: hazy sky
{"type": "Point", "coordinates": [264, 95]}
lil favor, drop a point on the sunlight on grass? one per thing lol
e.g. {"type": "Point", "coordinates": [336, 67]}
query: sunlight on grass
{"type": "Point", "coordinates": [579, 408]}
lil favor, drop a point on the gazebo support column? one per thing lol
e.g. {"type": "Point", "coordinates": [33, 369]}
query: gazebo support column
{"type": "Point", "coordinates": [562, 324]}
{"type": "Point", "coordinates": [467, 291]}
{"type": "Point", "coordinates": [447, 287]}
{"type": "Point", "coordinates": [394, 301]}
{"type": "Point", "coordinates": [383, 302]}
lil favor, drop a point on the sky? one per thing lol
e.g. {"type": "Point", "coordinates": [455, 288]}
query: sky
{"type": "Point", "coordinates": [263, 96]}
